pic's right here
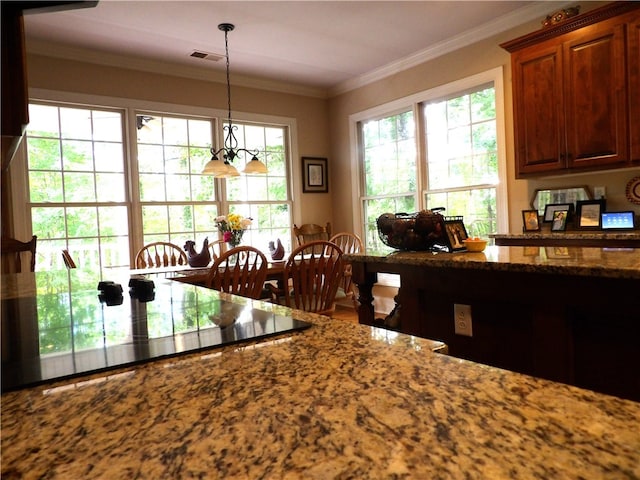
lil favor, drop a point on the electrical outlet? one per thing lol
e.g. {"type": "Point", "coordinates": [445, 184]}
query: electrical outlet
{"type": "Point", "coordinates": [599, 192]}
{"type": "Point", "coordinates": [462, 319]}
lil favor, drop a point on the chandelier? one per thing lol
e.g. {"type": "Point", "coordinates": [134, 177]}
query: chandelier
{"type": "Point", "coordinates": [230, 150]}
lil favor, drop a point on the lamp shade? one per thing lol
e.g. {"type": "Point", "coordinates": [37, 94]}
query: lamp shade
{"type": "Point", "coordinates": [230, 172]}
{"type": "Point", "coordinates": [255, 166]}
{"type": "Point", "coordinates": [214, 167]}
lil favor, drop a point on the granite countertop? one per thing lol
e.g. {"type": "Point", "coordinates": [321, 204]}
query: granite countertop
{"type": "Point", "coordinates": [338, 400]}
{"type": "Point", "coordinates": [583, 261]}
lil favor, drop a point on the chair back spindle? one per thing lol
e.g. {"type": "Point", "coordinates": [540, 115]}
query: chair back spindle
{"type": "Point", "coordinates": [311, 278]}
{"type": "Point", "coordinates": [239, 271]}
{"type": "Point", "coordinates": [160, 254]}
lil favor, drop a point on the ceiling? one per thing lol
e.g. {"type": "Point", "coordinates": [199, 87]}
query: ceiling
{"type": "Point", "coordinates": [322, 45]}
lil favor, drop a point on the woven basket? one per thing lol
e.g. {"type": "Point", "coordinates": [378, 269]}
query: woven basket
{"type": "Point", "coordinates": [412, 231]}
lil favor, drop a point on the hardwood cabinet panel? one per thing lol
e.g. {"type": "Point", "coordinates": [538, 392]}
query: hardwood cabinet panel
{"type": "Point", "coordinates": [634, 88]}
{"type": "Point", "coordinates": [576, 93]}
{"type": "Point", "coordinates": [539, 117]}
{"type": "Point", "coordinates": [596, 106]}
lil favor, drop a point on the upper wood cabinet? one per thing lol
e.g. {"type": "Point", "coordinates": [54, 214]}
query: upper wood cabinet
{"type": "Point", "coordinates": [634, 88]}
{"type": "Point", "coordinates": [575, 93]}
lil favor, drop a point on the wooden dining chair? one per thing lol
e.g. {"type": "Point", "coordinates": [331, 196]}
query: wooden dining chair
{"type": "Point", "coordinates": [160, 254]}
{"type": "Point", "coordinates": [309, 232]}
{"type": "Point", "coordinates": [311, 278]}
{"type": "Point", "coordinates": [240, 271]}
{"type": "Point", "coordinates": [348, 243]}
{"type": "Point", "coordinates": [216, 248]}
{"type": "Point", "coordinates": [68, 260]}
{"type": "Point", "coordinates": [12, 249]}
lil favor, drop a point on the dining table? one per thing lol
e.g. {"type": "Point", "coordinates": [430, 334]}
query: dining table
{"type": "Point", "coordinates": [198, 275]}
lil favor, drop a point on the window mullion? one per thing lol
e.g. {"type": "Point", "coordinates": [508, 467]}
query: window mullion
{"type": "Point", "coordinates": [133, 184]}
{"type": "Point", "coordinates": [421, 155]}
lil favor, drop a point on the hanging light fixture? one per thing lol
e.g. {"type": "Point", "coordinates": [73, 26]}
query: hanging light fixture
{"type": "Point", "coordinates": [230, 150]}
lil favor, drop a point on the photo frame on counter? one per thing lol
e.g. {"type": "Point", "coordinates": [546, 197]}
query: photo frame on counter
{"type": "Point", "coordinates": [315, 178]}
{"type": "Point", "coordinates": [559, 221]}
{"type": "Point", "coordinates": [456, 234]}
{"type": "Point", "coordinates": [588, 214]}
{"type": "Point", "coordinates": [550, 208]}
{"type": "Point", "coordinates": [530, 221]}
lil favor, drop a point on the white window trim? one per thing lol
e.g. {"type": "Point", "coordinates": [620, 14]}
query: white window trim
{"type": "Point", "coordinates": [20, 178]}
{"type": "Point", "coordinates": [411, 102]}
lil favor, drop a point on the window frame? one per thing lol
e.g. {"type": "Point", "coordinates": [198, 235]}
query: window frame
{"type": "Point", "coordinates": [130, 108]}
{"type": "Point", "coordinates": [416, 102]}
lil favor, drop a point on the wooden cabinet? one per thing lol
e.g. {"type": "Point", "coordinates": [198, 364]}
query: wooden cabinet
{"type": "Point", "coordinates": [634, 88]}
{"type": "Point", "coordinates": [573, 91]}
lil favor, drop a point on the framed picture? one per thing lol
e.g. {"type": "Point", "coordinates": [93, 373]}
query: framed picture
{"type": "Point", "coordinates": [588, 214]}
{"type": "Point", "coordinates": [550, 208]}
{"type": "Point", "coordinates": [456, 234]}
{"type": "Point", "coordinates": [559, 220]}
{"type": "Point", "coordinates": [315, 178]}
{"type": "Point", "coordinates": [530, 221]}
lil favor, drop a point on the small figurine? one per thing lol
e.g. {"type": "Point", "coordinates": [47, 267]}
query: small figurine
{"type": "Point", "coordinates": [560, 16]}
{"type": "Point", "coordinates": [277, 252]}
{"type": "Point", "coordinates": [194, 258]}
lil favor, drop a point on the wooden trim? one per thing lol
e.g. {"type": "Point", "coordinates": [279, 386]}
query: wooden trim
{"type": "Point", "coordinates": [594, 16]}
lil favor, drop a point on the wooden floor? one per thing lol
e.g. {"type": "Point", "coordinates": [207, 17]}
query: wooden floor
{"type": "Point", "coordinates": [346, 313]}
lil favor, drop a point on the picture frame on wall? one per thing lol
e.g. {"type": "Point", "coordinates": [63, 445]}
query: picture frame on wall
{"type": "Point", "coordinates": [315, 178]}
{"type": "Point", "coordinates": [588, 214]}
{"type": "Point", "coordinates": [530, 221]}
{"type": "Point", "coordinates": [559, 220]}
{"type": "Point", "coordinates": [456, 234]}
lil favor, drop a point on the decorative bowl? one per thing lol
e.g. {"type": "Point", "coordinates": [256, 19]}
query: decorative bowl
{"type": "Point", "coordinates": [475, 244]}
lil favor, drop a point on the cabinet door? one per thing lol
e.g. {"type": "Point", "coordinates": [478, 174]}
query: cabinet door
{"type": "Point", "coordinates": [538, 113]}
{"type": "Point", "coordinates": [596, 98]}
{"type": "Point", "coordinates": [634, 88]}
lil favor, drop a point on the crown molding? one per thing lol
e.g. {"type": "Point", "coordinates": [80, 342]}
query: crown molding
{"type": "Point", "coordinates": [47, 49]}
{"type": "Point", "coordinates": [537, 10]}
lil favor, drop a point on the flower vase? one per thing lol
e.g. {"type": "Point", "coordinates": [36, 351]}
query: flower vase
{"type": "Point", "coordinates": [233, 237]}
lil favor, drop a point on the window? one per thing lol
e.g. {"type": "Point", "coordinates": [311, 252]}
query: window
{"type": "Point", "coordinates": [177, 202]}
{"type": "Point", "coordinates": [455, 163]}
{"type": "Point", "coordinates": [102, 198]}
{"type": "Point", "coordinates": [264, 198]}
{"type": "Point", "coordinates": [389, 159]}
{"type": "Point", "coordinates": [462, 158]}
{"type": "Point", "coordinates": [77, 185]}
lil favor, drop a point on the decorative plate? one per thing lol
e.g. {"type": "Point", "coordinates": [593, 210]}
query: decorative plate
{"type": "Point", "coordinates": [633, 190]}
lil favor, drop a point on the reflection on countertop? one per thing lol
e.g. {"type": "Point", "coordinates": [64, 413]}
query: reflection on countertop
{"type": "Point", "coordinates": [338, 400]}
{"type": "Point", "coordinates": [575, 238]}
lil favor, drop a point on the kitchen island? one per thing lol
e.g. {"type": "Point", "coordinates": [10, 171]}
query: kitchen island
{"type": "Point", "coordinates": [337, 400]}
{"type": "Point", "coordinates": [569, 314]}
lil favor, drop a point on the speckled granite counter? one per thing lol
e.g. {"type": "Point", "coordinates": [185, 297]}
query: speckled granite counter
{"type": "Point", "coordinates": [581, 261]}
{"type": "Point", "coordinates": [567, 314]}
{"type": "Point", "coordinates": [335, 401]}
